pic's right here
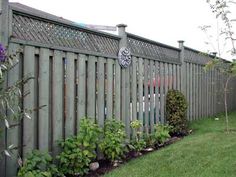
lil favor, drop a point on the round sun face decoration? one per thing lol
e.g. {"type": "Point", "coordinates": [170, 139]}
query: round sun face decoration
{"type": "Point", "coordinates": [124, 57]}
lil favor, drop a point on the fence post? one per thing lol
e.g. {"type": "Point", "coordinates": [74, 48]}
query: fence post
{"type": "Point", "coordinates": [183, 69]}
{"type": "Point", "coordinates": [3, 40]}
{"type": "Point", "coordinates": [125, 83]}
{"type": "Point", "coordinates": [4, 22]}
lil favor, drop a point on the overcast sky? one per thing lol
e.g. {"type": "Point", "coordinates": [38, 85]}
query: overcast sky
{"type": "Point", "coordinates": [165, 21]}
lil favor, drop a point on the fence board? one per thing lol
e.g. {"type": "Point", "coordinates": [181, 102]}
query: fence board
{"type": "Point", "coordinates": [81, 88]}
{"type": "Point", "coordinates": [109, 91]}
{"type": "Point", "coordinates": [170, 76]}
{"type": "Point", "coordinates": [174, 77]}
{"type": "Point", "coordinates": [197, 92]}
{"type": "Point", "coordinates": [146, 99]}
{"type": "Point", "coordinates": [187, 90]}
{"type": "Point", "coordinates": [166, 87]}
{"type": "Point", "coordinates": [140, 90]}
{"type": "Point", "coordinates": [117, 91]}
{"type": "Point", "coordinates": [127, 101]}
{"type": "Point", "coordinates": [29, 125]}
{"type": "Point", "coordinates": [151, 96]}
{"type": "Point", "coordinates": [191, 91]}
{"type": "Point", "coordinates": [208, 91]}
{"type": "Point", "coordinates": [194, 92]}
{"type": "Point", "coordinates": [123, 106]}
{"type": "Point", "coordinates": [200, 91]}
{"type": "Point", "coordinates": [101, 92]}
{"type": "Point", "coordinates": [134, 88]}
{"type": "Point", "coordinates": [91, 88]}
{"type": "Point", "coordinates": [43, 119]}
{"type": "Point", "coordinates": [157, 96]}
{"type": "Point", "coordinates": [162, 104]}
{"type": "Point", "coordinates": [178, 77]}
{"type": "Point", "coordinates": [58, 100]}
{"type": "Point", "coordinates": [205, 93]}
{"type": "Point", "coordinates": [70, 95]}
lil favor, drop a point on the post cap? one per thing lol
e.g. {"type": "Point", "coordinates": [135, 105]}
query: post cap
{"type": "Point", "coordinates": [121, 25]}
{"type": "Point", "coordinates": [181, 41]}
{"type": "Point", "coordinates": [214, 53]}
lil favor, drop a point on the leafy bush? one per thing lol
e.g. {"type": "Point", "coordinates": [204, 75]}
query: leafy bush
{"type": "Point", "coordinates": [113, 144]}
{"type": "Point", "coordinates": [138, 143]}
{"type": "Point", "coordinates": [79, 151]}
{"type": "Point", "coordinates": [176, 107]}
{"type": "Point", "coordinates": [38, 164]}
{"type": "Point", "coordinates": [161, 133]}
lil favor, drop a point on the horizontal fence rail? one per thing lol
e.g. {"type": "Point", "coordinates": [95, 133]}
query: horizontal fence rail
{"type": "Point", "coordinates": [76, 74]}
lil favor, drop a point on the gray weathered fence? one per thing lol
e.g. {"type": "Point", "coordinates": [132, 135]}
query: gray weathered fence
{"type": "Point", "coordinates": [77, 74]}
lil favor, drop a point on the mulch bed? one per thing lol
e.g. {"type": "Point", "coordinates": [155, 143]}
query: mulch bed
{"type": "Point", "coordinates": [105, 166]}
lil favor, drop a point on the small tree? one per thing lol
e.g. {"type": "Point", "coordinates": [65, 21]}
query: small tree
{"type": "Point", "coordinates": [229, 70]}
{"type": "Point", "coordinates": [221, 8]}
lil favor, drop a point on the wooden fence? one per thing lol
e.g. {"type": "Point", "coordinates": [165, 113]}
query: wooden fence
{"type": "Point", "coordinates": [77, 74]}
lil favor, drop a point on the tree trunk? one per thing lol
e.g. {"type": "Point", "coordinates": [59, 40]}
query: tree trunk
{"type": "Point", "coordinates": [226, 105]}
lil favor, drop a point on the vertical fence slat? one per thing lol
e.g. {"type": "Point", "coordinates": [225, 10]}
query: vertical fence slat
{"type": "Point", "coordinates": [43, 119]}
{"type": "Point", "coordinates": [207, 91]}
{"type": "Point", "coordinates": [170, 76]}
{"type": "Point", "coordinates": [162, 105]}
{"type": "Point", "coordinates": [127, 101]}
{"type": "Point", "coordinates": [174, 77]}
{"type": "Point", "coordinates": [123, 78]}
{"type": "Point", "coordinates": [187, 89]}
{"type": "Point", "coordinates": [70, 94]}
{"type": "Point", "coordinates": [57, 102]}
{"type": "Point", "coordinates": [29, 125]}
{"type": "Point", "coordinates": [134, 88]}
{"type": "Point", "coordinates": [91, 88]}
{"type": "Point", "coordinates": [81, 88]}
{"type": "Point", "coordinates": [140, 89]}
{"type": "Point", "coordinates": [190, 92]}
{"type": "Point", "coordinates": [101, 91]}
{"type": "Point", "coordinates": [200, 91]}
{"type": "Point", "coordinates": [197, 92]}
{"type": "Point", "coordinates": [117, 91]}
{"type": "Point", "coordinates": [194, 92]}
{"type": "Point", "coordinates": [151, 96]}
{"type": "Point", "coordinates": [157, 98]}
{"type": "Point", "coordinates": [109, 88]}
{"type": "Point", "coordinates": [178, 77]}
{"type": "Point", "coordinates": [166, 87]}
{"type": "Point", "coordinates": [146, 100]}
{"type": "Point", "coordinates": [205, 94]}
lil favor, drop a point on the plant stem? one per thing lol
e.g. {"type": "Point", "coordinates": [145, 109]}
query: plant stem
{"type": "Point", "coordinates": [226, 106]}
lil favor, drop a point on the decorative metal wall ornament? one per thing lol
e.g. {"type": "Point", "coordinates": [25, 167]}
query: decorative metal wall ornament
{"type": "Point", "coordinates": [124, 57]}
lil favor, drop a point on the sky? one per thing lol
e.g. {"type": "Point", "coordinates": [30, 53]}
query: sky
{"type": "Point", "coordinates": [165, 21]}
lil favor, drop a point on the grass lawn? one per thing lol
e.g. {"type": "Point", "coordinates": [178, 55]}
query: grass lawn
{"type": "Point", "coordinates": [208, 152]}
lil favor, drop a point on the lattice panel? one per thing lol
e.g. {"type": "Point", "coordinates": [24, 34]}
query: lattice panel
{"type": "Point", "coordinates": [151, 50]}
{"type": "Point", "coordinates": [194, 57]}
{"type": "Point", "coordinates": [30, 29]}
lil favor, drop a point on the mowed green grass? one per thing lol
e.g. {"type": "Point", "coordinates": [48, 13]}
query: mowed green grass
{"type": "Point", "coordinates": [207, 152]}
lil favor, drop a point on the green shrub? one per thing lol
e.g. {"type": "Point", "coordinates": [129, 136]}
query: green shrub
{"type": "Point", "coordinates": [113, 144]}
{"type": "Point", "coordinates": [78, 151]}
{"type": "Point", "coordinates": [38, 164]}
{"type": "Point", "coordinates": [137, 143]}
{"type": "Point", "coordinates": [176, 107]}
{"type": "Point", "coordinates": [161, 133]}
